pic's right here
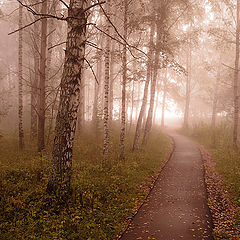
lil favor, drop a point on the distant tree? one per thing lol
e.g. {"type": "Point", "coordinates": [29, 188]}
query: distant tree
{"type": "Point", "coordinates": [20, 78]}
{"type": "Point", "coordinates": [106, 91]}
{"type": "Point", "coordinates": [124, 81]}
{"type": "Point", "coordinates": [42, 80]}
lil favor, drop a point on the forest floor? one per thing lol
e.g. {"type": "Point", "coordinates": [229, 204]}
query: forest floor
{"type": "Point", "coordinates": [177, 206]}
{"type": "Point", "coordinates": [103, 200]}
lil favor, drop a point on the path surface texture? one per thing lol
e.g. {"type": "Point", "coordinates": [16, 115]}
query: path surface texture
{"type": "Point", "coordinates": [177, 206]}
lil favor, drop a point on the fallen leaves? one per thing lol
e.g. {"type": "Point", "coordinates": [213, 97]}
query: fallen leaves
{"type": "Point", "coordinates": [223, 209]}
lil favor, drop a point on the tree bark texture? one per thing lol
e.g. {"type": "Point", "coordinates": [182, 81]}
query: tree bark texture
{"type": "Point", "coordinates": [105, 162]}
{"type": "Point", "coordinates": [60, 177]}
{"type": "Point", "coordinates": [20, 79]}
{"type": "Point", "coordinates": [235, 83]}
{"type": "Point", "coordinates": [124, 82]}
{"type": "Point", "coordinates": [42, 80]}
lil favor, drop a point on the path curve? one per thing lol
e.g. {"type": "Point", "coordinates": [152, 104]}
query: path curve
{"type": "Point", "coordinates": [177, 206]}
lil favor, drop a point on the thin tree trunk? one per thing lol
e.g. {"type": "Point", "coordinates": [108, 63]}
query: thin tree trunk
{"type": "Point", "coordinates": [106, 94]}
{"type": "Point", "coordinates": [42, 82]}
{"type": "Point", "coordinates": [132, 107]}
{"type": "Point", "coordinates": [188, 90]}
{"type": "Point", "coordinates": [164, 100]}
{"type": "Point", "coordinates": [235, 83]}
{"type": "Point", "coordinates": [81, 114]}
{"type": "Point", "coordinates": [35, 81]}
{"type": "Point", "coordinates": [156, 105]}
{"type": "Point", "coordinates": [124, 82]}
{"type": "Point", "coordinates": [215, 97]}
{"type": "Point", "coordinates": [20, 79]}
{"type": "Point", "coordinates": [111, 82]}
{"type": "Point", "coordinates": [96, 97]}
{"type": "Point", "coordinates": [59, 181]}
{"type": "Point", "coordinates": [145, 94]}
{"type": "Point", "coordinates": [148, 125]}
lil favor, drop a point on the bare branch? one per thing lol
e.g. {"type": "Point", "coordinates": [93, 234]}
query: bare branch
{"type": "Point", "coordinates": [92, 70]}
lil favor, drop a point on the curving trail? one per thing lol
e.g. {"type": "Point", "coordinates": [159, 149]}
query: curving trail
{"type": "Point", "coordinates": [177, 206]}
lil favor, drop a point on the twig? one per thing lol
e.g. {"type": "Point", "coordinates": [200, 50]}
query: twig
{"type": "Point", "coordinates": [92, 70]}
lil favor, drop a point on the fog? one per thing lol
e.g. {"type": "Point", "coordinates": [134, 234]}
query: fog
{"type": "Point", "coordinates": [93, 93]}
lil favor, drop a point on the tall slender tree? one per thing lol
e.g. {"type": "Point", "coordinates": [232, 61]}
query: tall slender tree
{"type": "Point", "coordinates": [20, 78]}
{"type": "Point", "coordinates": [106, 91]}
{"type": "Point", "coordinates": [42, 80]}
{"type": "Point", "coordinates": [124, 82]}
{"type": "Point", "coordinates": [148, 77]}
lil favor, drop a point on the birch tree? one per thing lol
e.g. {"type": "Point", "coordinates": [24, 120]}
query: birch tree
{"type": "Point", "coordinates": [20, 78]}
{"type": "Point", "coordinates": [106, 91]}
{"type": "Point", "coordinates": [61, 163]}
{"type": "Point", "coordinates": [124, 81]}
{"type": "Point", "coordinates": [42, 80]}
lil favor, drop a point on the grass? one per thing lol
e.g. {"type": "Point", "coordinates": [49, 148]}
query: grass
{"type": "Point", "coordinates": [101, 202]}
{"type": "Point", "coordinates": [219, 143]}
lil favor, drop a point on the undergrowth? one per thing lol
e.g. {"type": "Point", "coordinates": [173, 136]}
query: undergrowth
{"type": "Point", "coordinates": [101, 200]}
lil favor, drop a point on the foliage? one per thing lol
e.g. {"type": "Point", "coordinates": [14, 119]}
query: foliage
{"type": "Point", "coordinates": [100, 202]}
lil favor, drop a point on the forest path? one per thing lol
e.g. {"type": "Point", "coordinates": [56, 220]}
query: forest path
{"type": "Point", "coordinates": [177, 206]}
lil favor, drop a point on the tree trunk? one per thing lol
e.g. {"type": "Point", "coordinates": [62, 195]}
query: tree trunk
{"type": "Point", "coordinates": [20, 79]}
{"type": "Point", "coordinates": [235, 83]}
{"type": "Point", "coordinates": [42, 82]}
{"type": "Point", "coordinates": [35, 81]}
{"type": "Point", "coordinates": [132, 106]}
{"type": "Point", "coordinates": [59, 181]}
{"type": "Point", "coordinates": [188, 89]}
{"type": "Point", "coordinates": [164, 100]}
{"type": "Point", "coordinates": [81, 114]}
{"type": "Point", "coordinates": [111, 82]}
{"type": "Point", "coordinates": [156, 105]}
{"type": "Point", "coordinates": [149, 120]}
{"type": "Point", "coordinates": [148, 124]}
{"type": "Point", "coordinates": [105, 162]}
{"type": "Point", "coordinates": [145, 94]}
{"type": "Point", "coordinates": [124, 82]}
{"type": "Point", "coordinates": [215, 97]}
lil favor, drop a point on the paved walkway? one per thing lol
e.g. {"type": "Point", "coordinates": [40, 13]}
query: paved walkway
{"type": "Point", "coordinates": [177, 206]}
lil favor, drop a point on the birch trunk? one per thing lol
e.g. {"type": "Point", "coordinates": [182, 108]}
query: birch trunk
{"type": "Point", "coordinates": [42, 80]}
{"type": "Point", "coordinates": [188, 90]}
{"type": "Point", "coordinates": [149, 120]}
{"type": "Point", "coordinates": [215, 97]}
{"type": "Point", "coordinates": [105, 162]}
{"type": "Point", "coordinates": [235, 83]}
{"type": "Point", "coordinates": [145, 94]}
{"type": "Point", "coordinates": [124, 82]}
{"type": "Point", "coordinates": [59, 181]}
{"type": "Point", "coordinates": [20, 79]}
{"type": "Point", "coordinates": [164, 100]}
{"type": "Point", "coordinates": [35, 81]}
